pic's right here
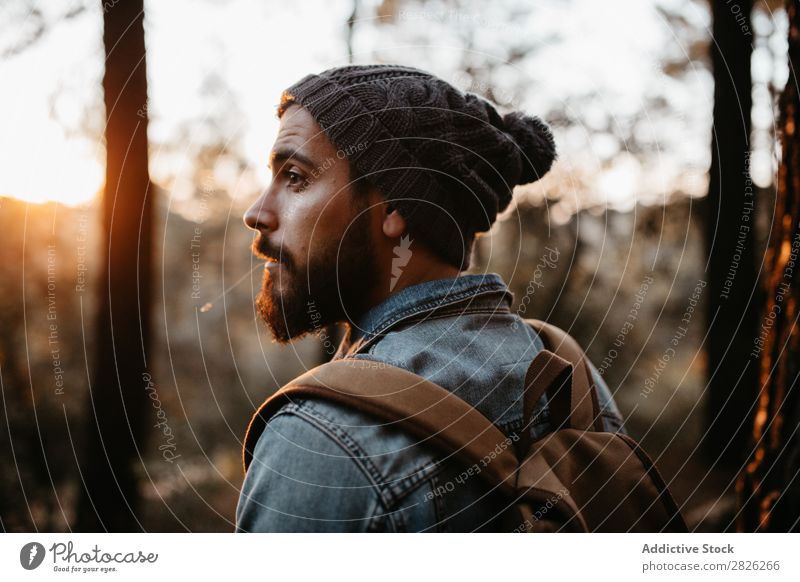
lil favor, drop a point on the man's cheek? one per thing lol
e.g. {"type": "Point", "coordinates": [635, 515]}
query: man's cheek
{"type": "Point", "coordinates": [306, 230]}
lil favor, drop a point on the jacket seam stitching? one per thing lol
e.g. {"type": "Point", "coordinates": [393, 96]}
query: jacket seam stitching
{"type": "Point", "coordinates": [421, 308]}
{"type": "Point", "coordinates": [415, 478]}
{"type": "Point", "coordinates": [394, 490]}
{"type": "Point", "coordinates": [481, 310]}
{"type": "Point", "coordinates": [323, 424]}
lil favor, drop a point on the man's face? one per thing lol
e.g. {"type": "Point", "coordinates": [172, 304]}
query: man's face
{"type": "Point", "coordinates": [316, 228]}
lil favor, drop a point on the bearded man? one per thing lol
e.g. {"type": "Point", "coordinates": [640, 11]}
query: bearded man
{"type": "Point", "coordinates": [382, 177]}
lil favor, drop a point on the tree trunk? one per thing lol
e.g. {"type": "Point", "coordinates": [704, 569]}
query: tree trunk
{"type": "Point", "coordinates": [769, 489]}
{"type": "Point", "coordinates": [732, 308]}
{"type": "Point", "coordinates": [117, 398]}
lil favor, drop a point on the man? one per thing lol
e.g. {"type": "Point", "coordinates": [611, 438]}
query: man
{"type": "Point", "coordinates": [382, 177]}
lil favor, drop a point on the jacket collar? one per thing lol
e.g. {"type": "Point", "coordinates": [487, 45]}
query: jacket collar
{"type": "Point", "coordinates": [476, 292]}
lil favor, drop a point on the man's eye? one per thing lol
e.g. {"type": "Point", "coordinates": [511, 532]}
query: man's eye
{"type": "Point", "coordinates": [295, 179]}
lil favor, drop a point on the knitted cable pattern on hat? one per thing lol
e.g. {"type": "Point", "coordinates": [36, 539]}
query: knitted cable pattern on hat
{"type": "Point", "coordinates": [444, 158]}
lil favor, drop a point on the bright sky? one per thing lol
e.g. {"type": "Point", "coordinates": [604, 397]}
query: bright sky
{"type": "Point", "coordinates": [591, 62]}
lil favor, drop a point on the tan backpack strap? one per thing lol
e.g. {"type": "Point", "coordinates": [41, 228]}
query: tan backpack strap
{"type": "Point", "coordinates": [418, 406]}
{"type": "Point", "coordinates": [576, 406]}
{"type": "Point", "coordinates": [547, 372]}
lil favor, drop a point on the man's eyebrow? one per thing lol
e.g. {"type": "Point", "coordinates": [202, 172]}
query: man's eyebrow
{"type": "Point", "coordinates": [282, 155]}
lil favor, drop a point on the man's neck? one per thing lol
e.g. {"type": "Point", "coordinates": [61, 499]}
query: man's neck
{"type": "Point", "coordinates": [410, 277]}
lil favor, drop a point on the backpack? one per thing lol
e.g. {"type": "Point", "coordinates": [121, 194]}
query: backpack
{"type": "Point", "coordinates": [576, 478]}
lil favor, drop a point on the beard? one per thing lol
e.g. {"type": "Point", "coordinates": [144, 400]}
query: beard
{"type": "Point", "coordinates": [332, 286]}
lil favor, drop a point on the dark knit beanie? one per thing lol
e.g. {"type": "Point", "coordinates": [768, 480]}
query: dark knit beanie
{"type": "Point", "coordinates": [444, 158]}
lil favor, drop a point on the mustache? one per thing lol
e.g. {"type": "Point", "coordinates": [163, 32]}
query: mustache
{"type": "Point", "coordinates": [263, 249]}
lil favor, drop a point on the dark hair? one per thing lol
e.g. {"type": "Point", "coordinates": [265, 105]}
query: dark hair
{"type": "Point", "coordinates": [361, 184]}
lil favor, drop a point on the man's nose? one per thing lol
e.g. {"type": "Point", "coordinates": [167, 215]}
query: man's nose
{"type": "Point", "coordinates": [260, 216]}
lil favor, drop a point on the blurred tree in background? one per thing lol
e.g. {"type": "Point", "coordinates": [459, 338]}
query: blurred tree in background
{"type": "Point", "coordinates": [769, 488]}
{"type": "Point", "coordinates": [733, 299]}
{"type": "Point", "coordinates": [116, 401]}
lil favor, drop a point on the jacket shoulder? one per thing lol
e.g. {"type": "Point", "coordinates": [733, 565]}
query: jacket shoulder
{"type": "Point", "coordinates": [392, 459]}
{"type": "Point", "coordinates": [301, 479]}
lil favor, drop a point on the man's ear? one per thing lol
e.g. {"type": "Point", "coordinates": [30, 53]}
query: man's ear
{"type": "Point", "coordinates": [394, 225]}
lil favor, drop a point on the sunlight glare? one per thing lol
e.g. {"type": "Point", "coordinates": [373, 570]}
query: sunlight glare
{"type": "Point", "coordinates": [56, 169]}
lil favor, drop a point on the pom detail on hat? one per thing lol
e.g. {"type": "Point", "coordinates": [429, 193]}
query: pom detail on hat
{"type": "Point", "coordinates": [537, 147]}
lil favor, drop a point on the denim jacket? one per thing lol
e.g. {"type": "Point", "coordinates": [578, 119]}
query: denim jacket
{"type": "Point", "coordinates": [319, 466]}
